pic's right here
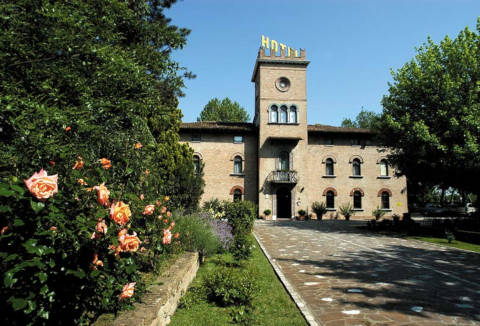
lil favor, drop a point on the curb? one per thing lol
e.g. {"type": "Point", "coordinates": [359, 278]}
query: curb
{"type": "Point", "coordinates": [302, 306]}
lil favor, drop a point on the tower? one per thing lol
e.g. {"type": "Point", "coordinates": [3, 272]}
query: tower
{"type": "Point", "coordinates": [281, 118]}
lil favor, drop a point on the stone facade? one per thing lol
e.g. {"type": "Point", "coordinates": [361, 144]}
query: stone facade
{"type": "Point", "coordinates": [284, 160]}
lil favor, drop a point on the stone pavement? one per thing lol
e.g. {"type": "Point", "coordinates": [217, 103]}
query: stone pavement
{"type": "Point", "coordinates": [347, 276]}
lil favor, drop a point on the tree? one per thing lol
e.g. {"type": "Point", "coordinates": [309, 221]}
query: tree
{"type": "Point", "coordinates": [224, 110]}
{"type": "Point", "coordinates": [365, 119]}
{"type": "Point", "coordinates": [84, 80]}
{"type": "Point", "coordinates": [431, 114]}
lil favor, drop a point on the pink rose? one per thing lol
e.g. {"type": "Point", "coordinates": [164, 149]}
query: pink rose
{"type": "Point", "coordinates": [41, 185]}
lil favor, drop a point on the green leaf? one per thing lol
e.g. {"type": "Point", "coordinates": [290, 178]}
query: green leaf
{"type": "Point", "coordinates": [9, 280]}
{"type": "Point", "coordinates": [4, 192]}
{"type": "Point", "coordinates": [42, 276]}
{"type": "Point", "coordinates": [31, 246]}
{"type": "Point", "coordinates": [18, 222]}
{"type": "Point", "coordinates": [79, 273]}
{"type": "Point", "coordinates": [17, 303]}
{"type": "Point", "coordinates": [18, 189]}
{"type": "Point", "coordinates": [5, 209]}
{"type": "Point", "coordinates": [36, 206]}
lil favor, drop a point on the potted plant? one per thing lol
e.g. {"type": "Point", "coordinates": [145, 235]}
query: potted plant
{"type": "Point", "coordinates": [346, 210]}
{"type": "Point", "coordinates": [320, 209]}
{"type": "Point", "coordinates": [267, 213]}
{"type": "Point", "coordinates": [301, 214]}
{"type": "Point", "coordinates": [378, 213]}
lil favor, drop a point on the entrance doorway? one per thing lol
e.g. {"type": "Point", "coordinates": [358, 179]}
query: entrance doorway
{"type": "Point", "coordinates": [284, 203]}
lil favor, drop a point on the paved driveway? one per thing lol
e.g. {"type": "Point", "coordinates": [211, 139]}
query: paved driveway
{"type": "Point", "coordinates": [348, 276]}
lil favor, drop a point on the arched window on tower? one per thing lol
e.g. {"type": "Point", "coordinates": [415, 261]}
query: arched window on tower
{"type": "Point", "coordinates": [283, 114]}
{"type": "Point", "coordinates": [357, 200]}
{"type": "Point", "coordinates": [384, 168]}
{"type": "Point", "coordinates": [274, 114]}
{"type": "Point", "coordinates": [385, 200]}
{"type": "Point", "coordinates": [293, 114]}
{"type": "Point", "coordinates": [356, 167]}
{"type": "Point", "coordinates": [330, 199]}
{"type": "Point", "coordinates": [237, 165]}
{"type": "Point", "coordinates": [237, 195]}
{"type": "Point", "coordinates": [329, 167]}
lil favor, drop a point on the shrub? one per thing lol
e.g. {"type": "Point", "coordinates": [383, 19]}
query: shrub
{"type": "Point", "coordinates": [241, 248]}
{"type": "Point", "coordinates": [267, 212]}
{"type": "Point", "coordinates": [319, 208]}
{"type": "Point", "coordinates": [346, 210]}
{"type": "Point", "coordinates": [378, 213]}
{"type": "Point", "coordinates": [241, 216]}
{"type": "Point", "coordinates": [215, 207]}
{"type": "Point", "coordinates": [230, 286]}
{"type": "Point", "coordinates": [197, 235]}
{"type": "Point", "coordinates": [223, 231]}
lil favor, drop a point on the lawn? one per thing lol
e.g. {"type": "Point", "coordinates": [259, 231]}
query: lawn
{"type": "Point", "coordinates": [444, 242]}
{"type": "Point", "coordinates": [273, 305]}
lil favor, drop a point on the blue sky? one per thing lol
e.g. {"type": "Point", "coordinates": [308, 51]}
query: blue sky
{"type": "Point", "coordinates": [351, 46]}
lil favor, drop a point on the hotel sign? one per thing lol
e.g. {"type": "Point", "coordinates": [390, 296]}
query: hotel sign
{"type": "Point", "coordinates": [273, 46]}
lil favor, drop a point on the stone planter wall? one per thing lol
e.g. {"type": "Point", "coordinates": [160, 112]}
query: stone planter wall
{"type": "Point", "coordinates": [159, 303]}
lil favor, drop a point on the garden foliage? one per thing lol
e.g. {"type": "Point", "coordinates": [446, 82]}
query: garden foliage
{"type": "Point", "coordinates": [88, 93]}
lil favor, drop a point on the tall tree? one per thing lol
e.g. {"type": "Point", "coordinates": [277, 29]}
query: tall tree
{"type": "Point", "coordinates": [431, 116]}
{"type": "Point", "coordinates": [224, 110]}
{"type": "Point", "coordinates": [365, 119]}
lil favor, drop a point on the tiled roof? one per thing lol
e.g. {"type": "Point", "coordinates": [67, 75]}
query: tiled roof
{"type": "Point", "coordinates": [218, 126]}
{"type": "Point", "coordinates": [333, 129]}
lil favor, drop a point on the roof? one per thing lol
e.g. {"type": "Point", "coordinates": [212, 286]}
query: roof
{"type": "Point", "coordinates": [318, 128]}
{"type": "Point", "coordinates": [216, 126]}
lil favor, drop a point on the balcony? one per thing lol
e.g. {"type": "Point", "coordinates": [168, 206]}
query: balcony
{"type": "Point", "coordinates": [283, 177]}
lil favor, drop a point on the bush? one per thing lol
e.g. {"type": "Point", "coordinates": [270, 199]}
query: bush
{"type": "Point", "coordinates": [230, 286]}
{"type": "Point", "coordinates": [241, 216]}
{"type": "Point", "coordinates": [267, 212]}
{"type": "Point", "coordinates": [241, 248]}
{"type": "Point", "coordinates": [319, 208]}
{"type": "Point", "coordinates": [197, 235]}
{"type": "Point", "coordinates": [346, 210]}
{"type": "Point", "coordinates": [378, 213]}
{"type": "Point", "coordinates": [215, 207]}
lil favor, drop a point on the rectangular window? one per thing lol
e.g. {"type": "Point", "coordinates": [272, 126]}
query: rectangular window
{"type": "Point", "coordinates": [355, 141]}
{"type": "Point", "coordinates": [196, 138]}
{"type": "Point", "coordinates": [237, 139]}
{"type": "Point", "coordinates": [328, 141]}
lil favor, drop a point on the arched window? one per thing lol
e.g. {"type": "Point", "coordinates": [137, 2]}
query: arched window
{"type": "Point", "coordinates": [385, 200]}
{"type": "Point", "coordinates": [383, 168]}
{"type": "Point", "coordinates": [284, 161]}
{"type": "Point", "coordinates": [196, 164]}
{"type": "Point", "coordinates": [357, 200]}
{"type": "Point", "coordinates": [293, 114]}
{"type": "Point", "coordinates": [274, 114]}
{"type": "Point", "coordinates": [356, 167]}
{"type": "Point", "coordinates": [283, 114]}
{"type": "Point", "coordinates": [237, 195]}
{"type": "Point", "coordinates": [330, 199]}
{"type": "Point", "coordinates": [329, 167]}
{"type": "Point", "coordinates": [237, 165]}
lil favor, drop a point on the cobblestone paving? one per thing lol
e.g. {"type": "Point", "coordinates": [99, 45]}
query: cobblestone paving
{"type": "Point", "coordinates": [348, 276]}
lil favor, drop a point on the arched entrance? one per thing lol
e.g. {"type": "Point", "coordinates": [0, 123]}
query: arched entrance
{"type": "Point", "coordinates": [284, 203]}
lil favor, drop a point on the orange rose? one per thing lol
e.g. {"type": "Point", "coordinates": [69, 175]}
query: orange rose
{"type": "Point", "coordinates": [142, 196]}
{"type": "Point", "coordinates": [167, 237]}
{"type": "Point", "coordinates": [78, 164]}
{"type": "Point", "coordinates": [121, 234]}
{"type": "Point", "coordinates": [147, 171]}
{"type": "Point", "coordinates": [82, 182]}
{"type": "Point", "coordinates": [130, 243]}
{"type": "Point", "coordinates": [102, 194]}
{"type": "Point", "coordinates": [143, 249]}
{"type": "Point", "coordinates": [149, 209]}
{"type": "Point", "coordinates": [120, 213]}
{"type": "Point", "coordinates": [53, 228]}
{"type": "Point", "coordinates": [101, 226]}
{"type": "Point", "coordinates": [158, 203]}
{"type": "Point", "coordinates": [167, 198]}
{"type": "Point", "coordinates": [41, 185]}
{"type": "Point", "coordinates": [106, 163]}
{"type": "Point", "coordinates": [163, 210]}
{"type": "Point", "coordinates": [169, 214]}
{"type": "Point", "coordinates": [176, 235]}
{"type": "Point", "coordinates": [138, 145]}
{"type": "Point", "coordinates": [127, 291]}
{"type": "Point", "coordinates": [96, 262]}
{"type": "Point", "coordinates": [68, 128]}
{"type": "Point", "coordinates": [4, 229]}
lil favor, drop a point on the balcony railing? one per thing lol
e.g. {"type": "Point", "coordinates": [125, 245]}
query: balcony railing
{"type": "Point", "coordinates": [283, 176]}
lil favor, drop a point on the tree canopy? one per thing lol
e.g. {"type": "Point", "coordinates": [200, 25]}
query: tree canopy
{"type": "Point", "coordinates": [431, 116]}
{"type": "Point", "coordinates": [365, 119]}
{"type": "Point", "coordinates": [223, 110]}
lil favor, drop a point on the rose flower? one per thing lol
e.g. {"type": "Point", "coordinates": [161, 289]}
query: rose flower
{"type": "Point", "coordinates": [130, 243]}
{"type": "Point", "coordinates": [149, 209]}
{"type": "Point", "coordinates": [120, 213]}
{"type": "Point", "coordinates": [127, 291]}
{"type": "Point", "coordinates": [41, 185]}
{"type": "Point", "coordinates": [102, 194]}
{"type": "Point", "coordinates": [167, 237]}
{"type": "Point", "coordinates": [106, 163]}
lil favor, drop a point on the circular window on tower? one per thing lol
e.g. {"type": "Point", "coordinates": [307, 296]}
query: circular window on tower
{"type": "Point", "coordinates": [282, 84]}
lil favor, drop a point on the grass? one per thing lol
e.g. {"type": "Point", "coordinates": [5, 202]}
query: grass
{"type": "Point", "coordinates": [444, 242]}
{"type": "Point", "coordinates": [273, 305]}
